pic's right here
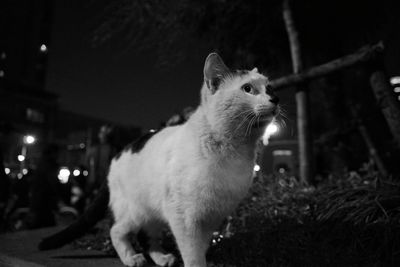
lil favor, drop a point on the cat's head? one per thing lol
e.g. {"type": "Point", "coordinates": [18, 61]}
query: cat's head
{"type": "Point", "coordinates": [242, 102]}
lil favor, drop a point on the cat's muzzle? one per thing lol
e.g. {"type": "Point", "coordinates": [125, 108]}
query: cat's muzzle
{"type": "Point", "coordinates": [267, 117]}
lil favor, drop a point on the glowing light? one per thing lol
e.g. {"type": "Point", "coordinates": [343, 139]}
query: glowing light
{"type": "Point", "coordinates": [395, 80]}
{"type": "Point", "coordinates": [20, 175]}
{"type": "Point", "coordinates": [76, 172]}
{"type": "Point", "coordinates": [257, 168]}
{"type": "Point", "coordinates": [282, 152]}
{"type": "Point", "coordinates": [152, 130]}
{"type": "Point", "coordinates": [25, 171]}
{"type": "Point", "coordinates": [63, 175]}
{"type": "Point", "coordinates": [29, 139]}
{"type": "Point", "coordinates": [282, 170]}
{"type": "Point", "coordinates": [271, 129]}
{"type": "Point", "coordinates": [43, 48]}
{"type": "Point", "coordinates": [82, 145]}
{"type": "Point", "coordinates": [85, 173]}
{"type": "Point", "coordinates": [2, 73]}
{"type": "Point", "coordinates": [396, 89]}
{"type": "Point", "coordinates": [7, 170]}
{"type": "Point", "coordinates": [21, 158]}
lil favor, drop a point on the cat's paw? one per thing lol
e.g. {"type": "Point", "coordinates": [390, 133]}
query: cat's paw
{"type": "Point", "coordinates": [167, 260]}
{"type": "Point", "coordinates": [137, 260]}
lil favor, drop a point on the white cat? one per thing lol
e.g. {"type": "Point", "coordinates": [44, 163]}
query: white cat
{"type": "Point", "coordinates": [189, 177]}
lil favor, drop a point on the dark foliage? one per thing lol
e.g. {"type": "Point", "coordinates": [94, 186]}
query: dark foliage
{"type": "Point", "coordinates": [351, 221]}
{"type": "Point", "coordinates": [348, 221]}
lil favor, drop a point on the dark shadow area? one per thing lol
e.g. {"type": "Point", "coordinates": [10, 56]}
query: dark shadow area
{"type": "Point", "coordinates": [84, 257]}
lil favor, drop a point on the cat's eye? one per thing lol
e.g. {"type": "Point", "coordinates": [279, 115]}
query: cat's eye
{"type": "Point", "coordinates": [248, 88]}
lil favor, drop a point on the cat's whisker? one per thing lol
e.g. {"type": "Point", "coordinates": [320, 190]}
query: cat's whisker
{"type": "Point", "coordinates": [250, 125]}
{"type": "Point", "coordinates": [247, 125]}
{"type": "Point", "coordinates": [248, 111]}
{"type": "Point", "coordinates": [253, 123]}
{"type": "Point", "coordinates": [283, 112]}
{"type": "Point", "coordinates": [282, 123]}
{"type": "Point", "coordinates": [283, 115]}
{"type": "Point", "coordinates": [255, 120]}
{"type": "Point", "coordinates": [245, 119]}
{"type": "Point", "coordinates": [282, 118]}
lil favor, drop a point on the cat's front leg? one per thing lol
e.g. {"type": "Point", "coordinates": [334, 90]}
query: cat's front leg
{"type": "Point", "coordinates": [120, 239]}
{"type": "Point", "coordinates": [156, 252]}
{"type": "Point", "coordinates": [193, 242]}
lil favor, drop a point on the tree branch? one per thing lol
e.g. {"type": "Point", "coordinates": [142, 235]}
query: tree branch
{"type": "Point", "coordinates": [364, 54]}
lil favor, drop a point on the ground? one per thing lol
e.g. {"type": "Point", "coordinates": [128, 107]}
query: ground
{"type": "Point", "coordinates": [20, 249]}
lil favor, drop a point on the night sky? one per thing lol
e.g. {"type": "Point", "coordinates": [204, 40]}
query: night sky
{"type": "Point", "coordinates": [120, 85]}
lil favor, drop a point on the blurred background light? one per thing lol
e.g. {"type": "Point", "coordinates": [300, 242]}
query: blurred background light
{"type": "Point", "coordinates": [63, 175]}
{"type": "Point", "coordinates": [395, 80]}
{"type": "Point", "coordinates": [43, 48]}
{"type": "Point", "coordinates": [29, 139]}
{"type": "Point", "coordinates": [271, 129]}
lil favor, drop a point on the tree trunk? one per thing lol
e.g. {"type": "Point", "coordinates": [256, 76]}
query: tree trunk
{"type": "Point", "coordinates": [303, 127]}
{"type": "Point", "coordinates": [389, 105]}
{"type": "Point", "coordinates": [373, 153]}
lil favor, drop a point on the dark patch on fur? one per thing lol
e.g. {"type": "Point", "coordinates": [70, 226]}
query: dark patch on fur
{"type": "Point", "coordinates": [136, 145]}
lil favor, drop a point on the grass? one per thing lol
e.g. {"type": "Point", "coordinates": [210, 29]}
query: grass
{"type": "Point", "coordinates": [351, 221]}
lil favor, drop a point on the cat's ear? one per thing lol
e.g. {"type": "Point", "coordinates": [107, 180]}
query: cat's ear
{"type": "Point", "coordinates": [254, 70]}
{"type": "Point", "coordinates": [214, 71]}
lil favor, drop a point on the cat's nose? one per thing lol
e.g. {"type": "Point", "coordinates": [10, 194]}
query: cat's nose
{"type": "Point", "coordinates": [274, 99]}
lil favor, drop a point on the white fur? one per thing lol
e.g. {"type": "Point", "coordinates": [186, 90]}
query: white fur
{"type": "Point", "coordinates": [189, 177]}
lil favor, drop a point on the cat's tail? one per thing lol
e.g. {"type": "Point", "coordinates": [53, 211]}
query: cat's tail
{"type": "Point", "coordinates": [94, 213]}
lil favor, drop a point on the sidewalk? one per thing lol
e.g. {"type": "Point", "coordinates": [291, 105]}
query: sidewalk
{"type": "Point", "coordinates": [20, 250]}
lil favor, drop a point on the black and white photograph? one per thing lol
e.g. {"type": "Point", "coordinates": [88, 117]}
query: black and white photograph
{"type": "Point", "coordinates": [199, 133]}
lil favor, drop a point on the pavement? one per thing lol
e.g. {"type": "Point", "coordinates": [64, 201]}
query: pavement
{"type": "Point", "coordinates": [19, 249]}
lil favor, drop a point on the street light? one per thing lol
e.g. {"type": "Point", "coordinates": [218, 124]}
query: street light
{"type": "Point", "coordinates": [271, 129]}
{"type": "Point", "coordinates": [43, 48]}
{"type": "Point", "coordinates": [63, 175]}
{"type": "Point", "coordinates": [21, 158]}
{"type": "Point", "coordinates": [29, 139]}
